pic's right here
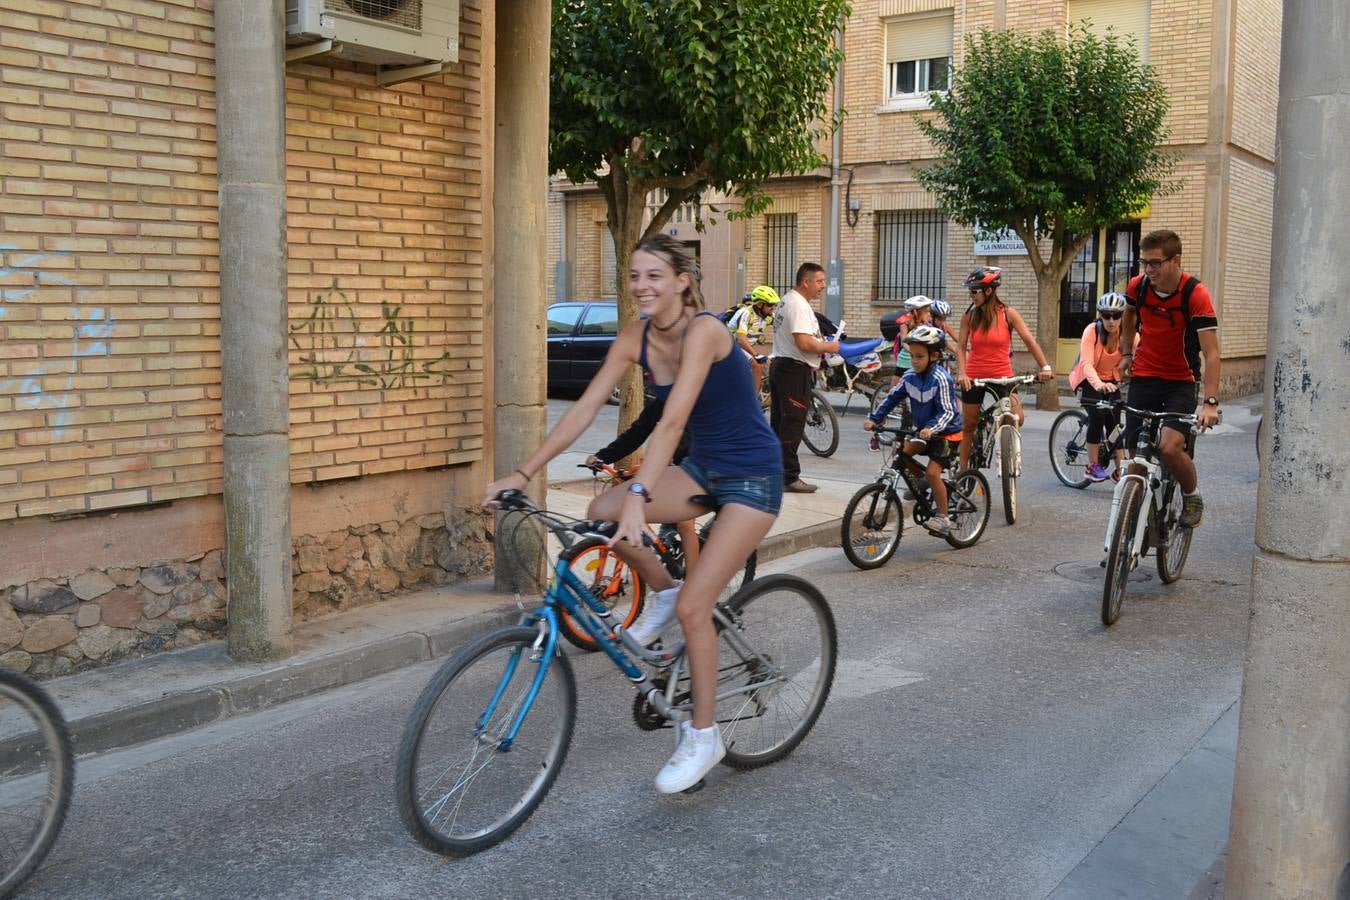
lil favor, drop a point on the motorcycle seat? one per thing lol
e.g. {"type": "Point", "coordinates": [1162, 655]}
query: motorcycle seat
{"type": "Point", "coordinates": [852, 349]}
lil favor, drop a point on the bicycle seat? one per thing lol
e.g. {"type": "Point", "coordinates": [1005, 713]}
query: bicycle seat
{"type": "Point", "coordinates": [850, 349]}
{"type": "Point", "coordinates": [706, 500]}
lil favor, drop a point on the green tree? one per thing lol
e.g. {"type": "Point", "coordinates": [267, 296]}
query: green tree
{"type": "Point", "coordinates": [686, 97]}
{"type": "Point", "coordinates": [1054, 139]}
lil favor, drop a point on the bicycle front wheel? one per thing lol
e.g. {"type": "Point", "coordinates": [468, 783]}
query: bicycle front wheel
{"type": "Point", "coordinates": [873, 523]}
{"type": "Point", "coordinates": [1008, 450]}
{"type": "Point", "coordinates": [611, 581]}
{"type": "Point", "coordinates": [821, 434]}
{"type": "Point", "coordinates": [463, 784]}
{"type": "Point", "coordinates": [37, 775]}
{"type": "Point", "coordinates": [1120, 556]}
{"type": "Point", "coordinates": [968, 507]}
{"type": "Point", "coordinates": [1068, 448]}
{"type": "Point", "coordinates": [1172, 558]}
{"type": "Point", "coordinates": [777, 664]}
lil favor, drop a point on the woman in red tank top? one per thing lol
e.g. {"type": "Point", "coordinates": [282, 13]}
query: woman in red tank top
{"type": "Point", "coordinates": [984, 349]}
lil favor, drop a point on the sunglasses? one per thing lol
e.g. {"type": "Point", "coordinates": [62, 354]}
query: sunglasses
{"type": "Point", "coordinates": [1106, 315]}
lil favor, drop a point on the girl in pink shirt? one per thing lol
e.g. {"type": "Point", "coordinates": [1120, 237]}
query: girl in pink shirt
{"type": "Point", "coordinates": [1095, 378]}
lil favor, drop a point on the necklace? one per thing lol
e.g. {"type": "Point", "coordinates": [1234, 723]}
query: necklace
{"type": "Point", "coordinates": [677, 321]}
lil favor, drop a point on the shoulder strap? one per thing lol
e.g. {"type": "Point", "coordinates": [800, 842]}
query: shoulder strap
{"type": "Point", "coordinates": [642, 356]}
{"type": "Point", "coordinates": [1186, 290]}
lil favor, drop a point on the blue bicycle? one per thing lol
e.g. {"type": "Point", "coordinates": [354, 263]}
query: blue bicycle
{"type": "Point", "coordinates": [489, 733]}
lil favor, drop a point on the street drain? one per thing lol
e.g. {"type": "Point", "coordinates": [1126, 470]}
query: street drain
{"type": "Point", "coordinates": [1091, 573]}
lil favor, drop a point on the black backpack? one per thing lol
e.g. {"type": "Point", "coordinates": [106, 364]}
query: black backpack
{"type": "Point", "coordinates": [1191, 341]}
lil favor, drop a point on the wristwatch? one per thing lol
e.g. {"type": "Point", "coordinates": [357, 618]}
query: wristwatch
{"type": "Point", "coordinates": [1212, 401]}
{"type": "Point", "coordinates": [639, 489]}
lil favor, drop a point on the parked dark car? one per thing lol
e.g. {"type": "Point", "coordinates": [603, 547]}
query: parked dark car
{"type": "Point", "coordinates": [579, 335]}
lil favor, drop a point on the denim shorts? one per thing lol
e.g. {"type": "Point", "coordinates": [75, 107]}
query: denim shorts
{"type": "Point", "coordinates": [759, 492]}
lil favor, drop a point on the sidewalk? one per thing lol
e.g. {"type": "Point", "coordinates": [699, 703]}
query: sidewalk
{"type": "Point", "coordinates": [144, 699]}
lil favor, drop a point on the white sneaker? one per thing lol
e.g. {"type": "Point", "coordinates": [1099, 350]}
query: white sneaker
{"type": "Point", "coordinates": [700, 749]}
{"type": "Point", "coordinates": [657, 614]}
{"type": "Point", "coordinates": [940, 525]}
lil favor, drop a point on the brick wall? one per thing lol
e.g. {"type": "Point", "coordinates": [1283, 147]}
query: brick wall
{"type": "Point", "coordinates": [1256, 76]}
{"type": "Point", "coordinates": [1246, 294]}
{"type": "Point", "coordinates": [809, 201]}
{"type": "Point", "coordinates": [109, 358]}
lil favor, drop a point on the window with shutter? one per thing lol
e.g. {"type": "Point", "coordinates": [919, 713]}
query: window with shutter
{"type": "Point", "coordinates": [918, 55]}
{"type": "Point", "coordinates": [1123, 17]}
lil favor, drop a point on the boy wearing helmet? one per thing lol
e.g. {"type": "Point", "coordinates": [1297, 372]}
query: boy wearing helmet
{"type": "Point", "coordinates": [935, 409]}
{"type": "Point", "coordinates": [748, 323]}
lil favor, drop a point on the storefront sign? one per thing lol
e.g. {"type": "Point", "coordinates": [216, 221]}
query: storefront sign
{"type": "Point", "coordinates": [998, 243]}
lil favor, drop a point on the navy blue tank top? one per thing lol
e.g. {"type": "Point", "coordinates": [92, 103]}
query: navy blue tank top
{"type": "Point", "coordinates": [728, 431]}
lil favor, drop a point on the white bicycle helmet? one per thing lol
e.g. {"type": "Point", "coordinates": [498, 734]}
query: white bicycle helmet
{"type": "Point", "coordinates": [1111, 302]}
{"type": "Point", "coordinates": [926, 335]}
{"type": "Point", "coordinates": [918, 301]}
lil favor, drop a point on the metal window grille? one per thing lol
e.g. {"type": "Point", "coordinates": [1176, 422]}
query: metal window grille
{"type": "Point", "coordinates": [911, 255]}
{"type": "Point", "coordinates": [687, 213]}
{"type": "Point", "coordinates": [782, 243]}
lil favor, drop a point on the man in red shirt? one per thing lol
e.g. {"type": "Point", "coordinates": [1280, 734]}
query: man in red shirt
{"type": "Point", "coordinates": [1165, 369]}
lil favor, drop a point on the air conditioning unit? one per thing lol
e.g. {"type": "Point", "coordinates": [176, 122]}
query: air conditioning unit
{"type": "Point", "coordinates": [378, 32]}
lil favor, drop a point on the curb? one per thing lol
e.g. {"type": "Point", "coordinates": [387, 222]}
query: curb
{"type": "Point", "coordinates": [175, 713]}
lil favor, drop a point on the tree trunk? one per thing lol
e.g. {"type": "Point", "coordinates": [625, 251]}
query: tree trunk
{"type": "Point", "coordinates": [1047, 333]}
{"type": "Point", "coordinates": [627, 227]}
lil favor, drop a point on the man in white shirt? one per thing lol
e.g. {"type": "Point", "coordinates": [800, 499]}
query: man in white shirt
{"type": "Point", "coordinates": [797, 349]}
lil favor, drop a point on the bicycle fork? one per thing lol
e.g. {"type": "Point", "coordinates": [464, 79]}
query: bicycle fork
{"type": "Point", "coordinates": [1139, 526]}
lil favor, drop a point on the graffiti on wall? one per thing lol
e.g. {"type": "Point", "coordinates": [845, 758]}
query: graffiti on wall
{"type": "Point", "coordinates": [21, 275]}
{"type": "Point", "coordinates": [338, 347]}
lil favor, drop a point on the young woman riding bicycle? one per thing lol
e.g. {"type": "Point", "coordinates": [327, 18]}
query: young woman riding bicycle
{"type": "Point", "coordinates": [706, 384]}
{"type": "Point", "coordinates": [1095, 378]}
{"type": "Point", "coordinates": [984, 349]}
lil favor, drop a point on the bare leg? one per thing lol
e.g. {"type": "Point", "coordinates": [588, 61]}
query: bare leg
{"type": "Point", "coordinates": [970, 418]}
{"type": "Point", "coordinates": [1172, 449]}
{"type": "Point", "coordinates": [670, 503]}
{"type": "Point", "coordinates": [739, 531]}
{"type": "Point", "coordinates": [689, 541]}
{"type": "Point", "coordinates": [1093, 451]}
{"type": "Point", "coordinates": [1017, 408]}
{"type": "Point", "coordinates": [939, 489]}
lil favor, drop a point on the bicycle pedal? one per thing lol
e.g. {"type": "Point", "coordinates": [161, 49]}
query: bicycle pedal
{"type": "Point", "coordinates": [695, 788]}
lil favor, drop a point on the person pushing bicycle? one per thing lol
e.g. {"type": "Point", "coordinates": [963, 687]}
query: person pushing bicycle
{"type": "Point", "coordinates": [1177, 326]}
{"type": "Point", "coordinates": [935, 409]}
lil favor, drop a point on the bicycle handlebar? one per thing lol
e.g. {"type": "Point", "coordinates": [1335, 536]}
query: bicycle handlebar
{"type": "Point", "coordinates": [1003, 382]}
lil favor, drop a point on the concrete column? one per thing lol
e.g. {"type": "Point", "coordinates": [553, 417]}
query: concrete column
{"type": "Point", "coordinates": [251, 103]}
{"type": "Point", "coordinates": [1290, 832]}
{"type": "Point", "coordinates": [520, 210]}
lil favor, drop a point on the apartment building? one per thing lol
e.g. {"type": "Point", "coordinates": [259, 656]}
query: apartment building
{"type": "Point", "coordinates": [1219, 61]}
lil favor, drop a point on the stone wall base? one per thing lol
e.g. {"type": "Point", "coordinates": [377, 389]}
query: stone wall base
{"type": "Point", "coordinates": [62, 625]}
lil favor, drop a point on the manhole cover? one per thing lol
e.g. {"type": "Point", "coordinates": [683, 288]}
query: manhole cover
{"type": "Point", "coordinates": [1091, 573]}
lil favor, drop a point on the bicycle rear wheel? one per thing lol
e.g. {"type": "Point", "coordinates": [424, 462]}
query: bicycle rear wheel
{"type": "Point", "coordinates": [1068, 448]}
{"type": "Point", "coordinates": [1009, 450]}
{"type": "Point", "coordinates": [968, 507]}
{"type": "Point", "coordinates": [873, 523]}
{"type": "Point", "coordinates": [1120, 556]}
{"type": "Point", "coordinates": [778, 655]}
{"type": "Point", "coordinates": [611, 581]}
{"type": "Point", "coordinates": [460, 788]}
{"type": "Point", "coordinates": [37, 775]}
{"type": "Point", "coordinates": [1172, 557]}
{"type": "Point", "coordinates": [821, 434]}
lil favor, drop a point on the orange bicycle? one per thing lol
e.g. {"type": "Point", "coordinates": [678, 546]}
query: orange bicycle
{"type": "Point", "coordinates": [613, 582]}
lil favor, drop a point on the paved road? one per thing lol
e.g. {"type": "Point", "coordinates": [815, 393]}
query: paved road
{"type": "Point", "coordinates": [984, 735]}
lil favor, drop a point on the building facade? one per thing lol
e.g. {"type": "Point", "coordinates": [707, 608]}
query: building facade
{"type": "Point", "coordinates": [1219, 61]}
{"type": "Point", "coordinates": [111, 518]}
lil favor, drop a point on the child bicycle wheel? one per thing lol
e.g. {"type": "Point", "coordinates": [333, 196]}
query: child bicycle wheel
{"type": "Point", "coordinates": [611, 581]}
